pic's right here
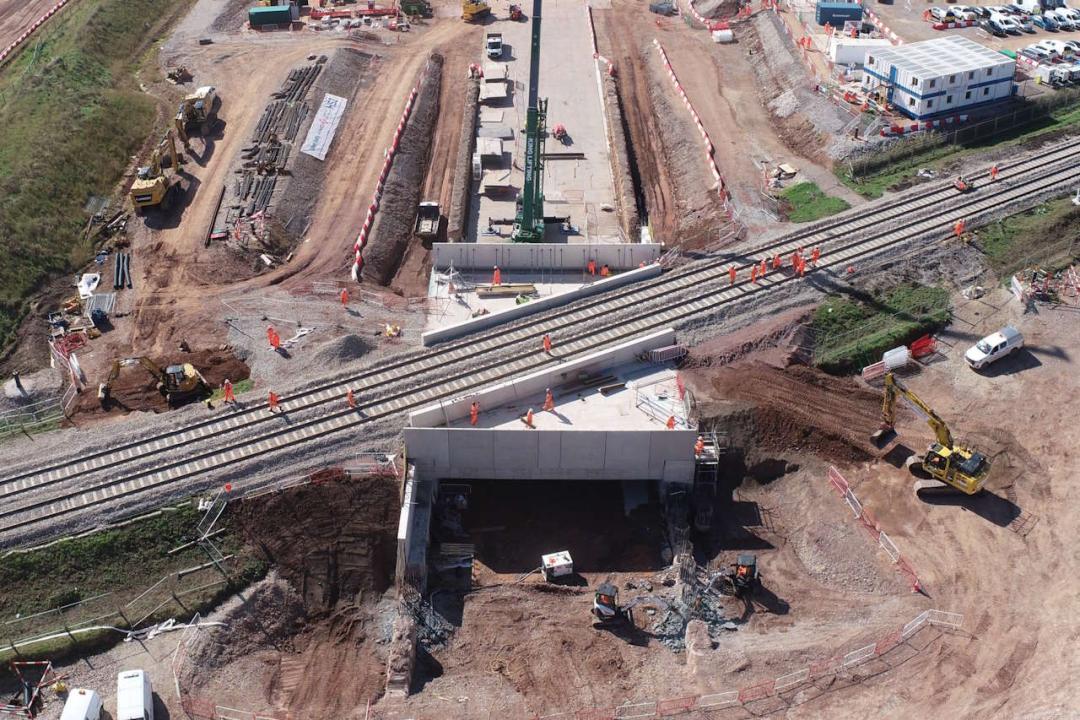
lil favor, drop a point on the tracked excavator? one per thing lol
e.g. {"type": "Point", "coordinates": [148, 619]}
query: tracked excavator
{"type": "Point", "coordinates": [178, 383]}
{"type": "Point", "coordinates": [152, 187]}
{"type": "Point", "coordinates": [474, 10]}
{"type": "Point", "coordinates": [953, 467]}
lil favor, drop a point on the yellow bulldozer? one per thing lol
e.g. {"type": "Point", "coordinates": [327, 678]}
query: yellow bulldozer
{"type": "Point", "coordinates": [152, 187]}
{"type": "Point", "coordinates": [951, 466]}
{"type": "Point", "coordinates": [178, 383]}
{"type": "Point", "coordinates": [474, 10]}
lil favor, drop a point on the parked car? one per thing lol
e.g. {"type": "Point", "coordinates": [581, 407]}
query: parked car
{"type": "Point", "coordinates": [1010, 24]}
{"type": "Point", "coordinates": [1026, 23]}
{"type": "Point", "coordinates": [1014, 9]}
{"type": "Point", "coordinates": [1063, 49]}
{"type": "Point", "coordinates": [992, 27]}
{"type": "Point", "coordinates": [1064, 20]}
{"type": "Point", "coordinates": [993, 347]}
{"type": "Point", "coordinates": [1036, 53]}
{"type": "Point", "coordinates": [1053, 53]}
{"type": "Point", "coordinates": [1046, 22]}
{"type": "Point", "coordinates": [1075, 45]}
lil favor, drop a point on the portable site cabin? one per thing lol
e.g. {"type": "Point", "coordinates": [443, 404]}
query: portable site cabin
{"type": "Point", "coordinates": [937, 77]}
{"type": "Point", "coordinates": [134, 697]}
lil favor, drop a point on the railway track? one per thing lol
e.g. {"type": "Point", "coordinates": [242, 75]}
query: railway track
{"type": "Point", "coordinates": [420, 378]}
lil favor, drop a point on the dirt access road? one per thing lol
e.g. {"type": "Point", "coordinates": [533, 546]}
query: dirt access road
{"type": "Point", "coordinates": [16, 16]}
{"type": "Point", "coordinates": [177, 279]}
{"type": "Point", "coordinates": [719, 81]}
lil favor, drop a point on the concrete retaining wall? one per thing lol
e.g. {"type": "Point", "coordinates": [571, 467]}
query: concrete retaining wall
{"type": "Point", "coordinates": [618, 149]}
{"type": "Point", "coordinates": [459, 200]}
{"type": "Point", "coordinates": [534, 306]}
{"type": "Point", "coordinates": [542, 256]}
{"type": "Point", "coordinates": [466, 453]}
{"type": "Point", "coordinates": [528, 386]}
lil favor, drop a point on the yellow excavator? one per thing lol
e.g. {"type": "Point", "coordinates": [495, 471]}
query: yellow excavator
{"type": "Point", "coordinates": [196, 111]}
{"type": "Point", "coordinates": [152, 187]}
{"type": "Point", "coordinates": [474, 10]}
{"type": "Point", "coordinates": [951, 465]}
{"type": "Point", "coordinates": [178, 383]}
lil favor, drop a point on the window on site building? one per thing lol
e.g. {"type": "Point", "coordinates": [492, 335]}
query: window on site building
{"type": "Point", "coordinates": [911, 102]}
{"type": "Point", "coordinates": [915, 82]}
{"type": "Point", "coordinates": [971, 75]}
{"type": "Point", "coordinates": [929, 104]}
{"type": "Point", "coordinates": [869, 59]}
{"type": "Point", "coordinates": [989, 72]}
{"type": "Point", "coordinates": [967, 95]}
{"type": "Point", "coordinates": [948, 99]}
{"type": "Point", "coordinates": [933, 82]}
{"type": "Point", "coordinates": [986, 91]}
{"type": "Point", "coordinates": [952, 79]}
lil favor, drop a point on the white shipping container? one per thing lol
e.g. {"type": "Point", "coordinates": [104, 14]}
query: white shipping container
{"type": "Point", "coordinates": [557, 564]}
{"type": "Point", "coordinates": [852, 51]}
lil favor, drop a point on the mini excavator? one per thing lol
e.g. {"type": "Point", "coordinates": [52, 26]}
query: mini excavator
{"type": "Point", "coordinates": [951, 465]}
{"type": "Point", "coordinates": [608, 611]}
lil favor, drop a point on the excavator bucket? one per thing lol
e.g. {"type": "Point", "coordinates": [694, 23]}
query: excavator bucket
{"type": "Point", "coordinates": [883, 436]}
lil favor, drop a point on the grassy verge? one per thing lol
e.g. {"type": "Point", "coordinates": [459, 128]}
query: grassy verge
{"type": "Point", "coordinates": [805, 202]}
{"type": "Point", "coordinates": [1045, 234]}
{"type": "Point", "coordinates": [240, 386]}
{"type": "Point", "coordinates": [124, 561]}
{"type": "Point", "coordinates": [72, 115]}
{"type": "Point", "coordinates": [852, 333]}
{"type": "Point", "coordinates": [936, 157]}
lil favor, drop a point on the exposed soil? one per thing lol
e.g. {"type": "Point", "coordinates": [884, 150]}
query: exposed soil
{"type": "Point", "coordinates": [17, 16]}
{"type": "Point", "coordinates": [135, 389]}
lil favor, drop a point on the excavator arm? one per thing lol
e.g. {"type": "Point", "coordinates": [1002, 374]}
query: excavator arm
{"type": "Point", "coordinates": [894, 389]}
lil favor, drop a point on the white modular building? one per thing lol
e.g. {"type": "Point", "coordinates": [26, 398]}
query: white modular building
{"type": "Point", "coordinates": [938, 77]}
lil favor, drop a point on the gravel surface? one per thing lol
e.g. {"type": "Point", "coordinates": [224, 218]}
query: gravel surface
{"type": "Point", "coordinates": [295, 201]}
{"type": "Point", "coordinates": [462, 193]}
{"type": "Point", "coordinates": [307, 366]}
{"type": "Point", "coordinates": [393, 225]}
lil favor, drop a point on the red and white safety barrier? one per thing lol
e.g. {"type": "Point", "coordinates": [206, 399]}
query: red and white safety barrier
{"type": "Point", "coordinates": [885, 30]}
{"type": "Point", "coordinates": [373, 208]}
{"type": "Point", "coordinates": [709, 149]}
{"type": "Point", "coordinates": [592, 36]}
{"type": "Point", "coordinates": [30, 30]}
{"type": "Point", "coordinates": [923, 125]}
{"type": "Point", "coordinates": [868, 523]}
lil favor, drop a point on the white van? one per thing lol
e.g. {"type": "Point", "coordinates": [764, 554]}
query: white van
{"type": "Point", "coordinates": [1064, 20]}
{"type": "Point", "coordinates": [134, 698]}
{"type": "Point", "coordinates": [993, 347]}
{"type": "Point", "coordinates": [82, 705]}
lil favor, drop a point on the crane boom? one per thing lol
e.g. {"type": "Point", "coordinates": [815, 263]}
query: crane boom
{"type": "Point", "coordinates": [893, 389]}
{"type": "Point", "coordinates": [529, 221]}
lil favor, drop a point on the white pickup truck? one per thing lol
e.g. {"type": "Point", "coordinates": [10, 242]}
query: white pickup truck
{"type": "Point", "coordinates": [494, 45]}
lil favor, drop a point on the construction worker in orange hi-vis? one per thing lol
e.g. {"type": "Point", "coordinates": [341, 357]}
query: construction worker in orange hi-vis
{"type": "Point", "coordinates": [605, 271]}
{"type": "Point", "coordinates": [350, 398]}
{"type": "Point", "coordinates": [802, 267]}
{"type": "Point", "coordinates": [753, 273]}
{"type": "Point", "coordinates": [762, 269]}
{"type": "Point", "coordinates": [528, 419]}
{"type": "Point", "coordinates": [274, 402]}
{"type": "Point", "coordinates": [272, 337]}
{"type": "Point", "coordinates": [670, 422]}
{"type": "Point", "coordinates": [549, 401]}
{"type": "Point", "coordinates": [776, 261]}
{"type": "Point", "coordinates": [496, 276]}
{"type": "Point", "coordinates": [815, 254]}
{"type": "Point", "coordinates": [474, 413]}
{"type": "Point", "coordinates": [958, 228]}
{"type": "Point", "coordinates": [795, 257]}
{"type": "Point", "coordinates": [591, 267]}
{"type": "Point", "coordinates": [993, 172]}
{"type": "Point", "coordinates": [732, 272]}
{"type": "Point", "coordinates": [547, 343]}
{"type": "Point", "coordinates": [344, 297]}
{"type": "Point", "coordinates": [226, 388]}
{"type": "Point", "coordinates": [699, 446]}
